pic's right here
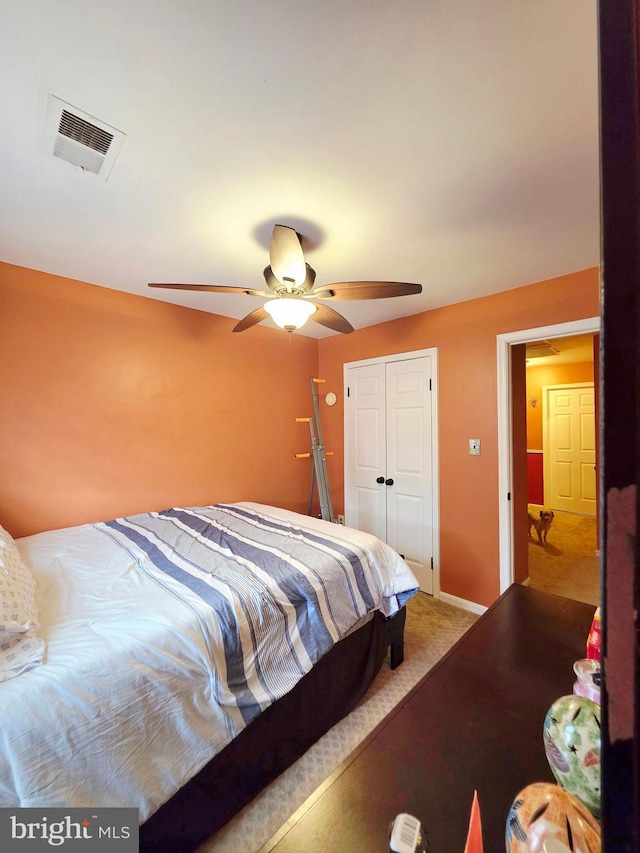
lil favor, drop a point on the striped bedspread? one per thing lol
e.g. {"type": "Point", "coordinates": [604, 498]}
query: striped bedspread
{"type": "Point", "coordinates": [273, 590]}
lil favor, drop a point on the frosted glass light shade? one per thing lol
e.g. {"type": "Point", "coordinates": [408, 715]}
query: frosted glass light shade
{"type": "Point", "coordinates": [290, 312]}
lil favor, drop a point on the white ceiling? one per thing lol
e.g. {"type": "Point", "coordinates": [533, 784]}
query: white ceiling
{"type": "Point", "coordinates": [448, 142]}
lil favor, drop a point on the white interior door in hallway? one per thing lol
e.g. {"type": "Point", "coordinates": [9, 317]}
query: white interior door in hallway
{"type": "Point", "coordinates": [390, 456]}
{"type": "Point", "coordinates": [569, 445]}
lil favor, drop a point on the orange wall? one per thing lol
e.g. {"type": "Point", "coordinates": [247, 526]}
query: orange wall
{"type": "Point", "coordinates": [465, 335]}
{"type": "Point", "coordinates": [114, 403]}
{"type": "Point", "coordinates": [537, 378]}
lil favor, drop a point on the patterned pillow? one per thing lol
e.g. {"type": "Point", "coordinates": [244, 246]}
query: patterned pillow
{"type": "Point", "coordinates": [20, 648]}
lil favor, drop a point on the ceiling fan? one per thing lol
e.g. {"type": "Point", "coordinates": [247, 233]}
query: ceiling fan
{"type": "Point", "coordinates": [291, 297]}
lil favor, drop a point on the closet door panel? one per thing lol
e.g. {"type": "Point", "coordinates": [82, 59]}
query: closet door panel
{"type": "Point", "coordinates": [409, 465]}
{"type": "Point", "coordinates": [365, 498]}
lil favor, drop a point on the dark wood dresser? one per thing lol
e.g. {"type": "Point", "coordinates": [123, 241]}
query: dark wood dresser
{"type": "Point", "coordinates": [474, 722]}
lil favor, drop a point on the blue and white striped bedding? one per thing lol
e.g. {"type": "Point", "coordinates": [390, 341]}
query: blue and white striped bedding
{"type": "Point", "coordinates": [283, 588]}
{"type": "Point", "coordinates": [166, 633]}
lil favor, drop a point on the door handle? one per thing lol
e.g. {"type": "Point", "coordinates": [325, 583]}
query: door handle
{"type": "Point", "coordinates": [389, 482]}
{"type": "Point", "coordinates": [380, 480]}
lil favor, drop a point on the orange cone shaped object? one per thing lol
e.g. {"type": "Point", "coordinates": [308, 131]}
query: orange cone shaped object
{"type": "Point", "coordinates": [474, 837]}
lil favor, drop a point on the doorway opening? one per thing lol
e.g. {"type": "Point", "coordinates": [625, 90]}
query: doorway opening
{"type": "Point", "coordinates": [561, 455]}
{"type": "Point", "coordinates": [579, 532]}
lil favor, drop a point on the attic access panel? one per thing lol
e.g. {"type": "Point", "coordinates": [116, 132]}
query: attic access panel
{"type": "Point", "coordinates": [80, 139]}
{"type": "Point", "coordinates": [540, 349]}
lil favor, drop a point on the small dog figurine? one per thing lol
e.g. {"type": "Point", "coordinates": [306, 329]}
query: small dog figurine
{"type": "Point", "coordinates": [541, 524]}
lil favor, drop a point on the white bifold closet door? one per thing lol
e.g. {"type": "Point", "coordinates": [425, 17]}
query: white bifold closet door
{"type": "Point", "coordinates": [389, 482]}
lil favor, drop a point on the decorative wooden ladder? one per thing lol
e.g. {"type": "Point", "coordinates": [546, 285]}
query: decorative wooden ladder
{"type": "Point", "coordinates": [319, 471]}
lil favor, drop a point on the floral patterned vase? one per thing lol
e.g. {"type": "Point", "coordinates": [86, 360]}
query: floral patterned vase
{"type": "Point", "coordinates": [572, 743]}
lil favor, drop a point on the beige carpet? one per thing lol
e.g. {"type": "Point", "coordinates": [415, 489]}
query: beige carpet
{"type": "Point", "coordinates": [432, 628]}
{"type": "Point", "coordinates": [567, 565]}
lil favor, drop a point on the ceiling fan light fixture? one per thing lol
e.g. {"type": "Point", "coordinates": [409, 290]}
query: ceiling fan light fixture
{"type": "Point", "coordinates": [291, 281]}
{"type": "Point", "coordinates": [289, 312]}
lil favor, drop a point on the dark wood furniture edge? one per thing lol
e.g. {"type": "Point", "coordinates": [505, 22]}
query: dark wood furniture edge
{"type": "Point", "coordinates": [308, 804]}
{"type": "Point", "coordinates": [619, 495]}
{"type": "Point", "coordinates": [315, 798]}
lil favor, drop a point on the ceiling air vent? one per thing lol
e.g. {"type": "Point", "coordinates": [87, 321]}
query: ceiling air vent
{"type": "Point", "coordinates": [80, 139]}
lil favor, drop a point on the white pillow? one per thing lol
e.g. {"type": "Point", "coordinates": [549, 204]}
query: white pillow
{"type": "Point", "coordinates": [20, 648]}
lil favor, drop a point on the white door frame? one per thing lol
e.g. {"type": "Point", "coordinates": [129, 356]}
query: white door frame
{"type": "Point", "coordinates": [406, 356]}
{"type": "Point", "coordinates": [504, 342]}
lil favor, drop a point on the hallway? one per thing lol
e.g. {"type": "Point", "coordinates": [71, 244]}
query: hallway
{"type": "Point", "coordinates": [567, 565]}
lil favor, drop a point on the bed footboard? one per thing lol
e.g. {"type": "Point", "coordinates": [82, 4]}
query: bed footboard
{"type": "Point", "coordinates": [273, 741]}
{"type": "Point", "coordinates": [278, 737]}
{"type": "Point", "coordinates": [395, 637]}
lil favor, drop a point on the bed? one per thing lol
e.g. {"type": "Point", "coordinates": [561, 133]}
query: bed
{"type": "Point", "coordinates": [191, 655]}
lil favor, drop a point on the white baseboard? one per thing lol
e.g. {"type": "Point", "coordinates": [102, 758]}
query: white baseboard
{"type": "Point", "coordinates": [462, 603]}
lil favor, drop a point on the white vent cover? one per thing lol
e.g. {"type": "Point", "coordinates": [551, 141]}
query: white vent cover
{"type": "Point", "coordinates": [80, 139]}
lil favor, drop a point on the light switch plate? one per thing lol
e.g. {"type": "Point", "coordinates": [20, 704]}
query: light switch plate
{"type": "Point", "coordinates": [474, 447]}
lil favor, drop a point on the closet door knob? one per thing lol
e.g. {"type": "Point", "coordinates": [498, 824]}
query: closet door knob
{"type": "Point", "coordinates": [389, 482]}
{"type": "Point", "coordinates": [380, 480]}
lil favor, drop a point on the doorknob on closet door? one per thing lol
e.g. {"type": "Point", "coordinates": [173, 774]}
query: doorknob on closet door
{"type": "Point", "coordinates": [380, 480]}
{"type": "Point", "coordinates": [389, 482]}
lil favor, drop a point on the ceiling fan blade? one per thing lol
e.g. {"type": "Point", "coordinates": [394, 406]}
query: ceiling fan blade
{"type": "Point", "coordinates": [211, 288]}
{"type": "Point", "coordinates": [250, 320]}
{"type": "Point", "coordinates": [286, 255]}
{"type": "Point", "coordinates": [331, 319]}
{"type": "Point", "coordinates": [366, 290]}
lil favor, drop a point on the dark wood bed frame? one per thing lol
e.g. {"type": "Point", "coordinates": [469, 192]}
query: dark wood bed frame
{"type": "Point", "coordinates": [275, 739]}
